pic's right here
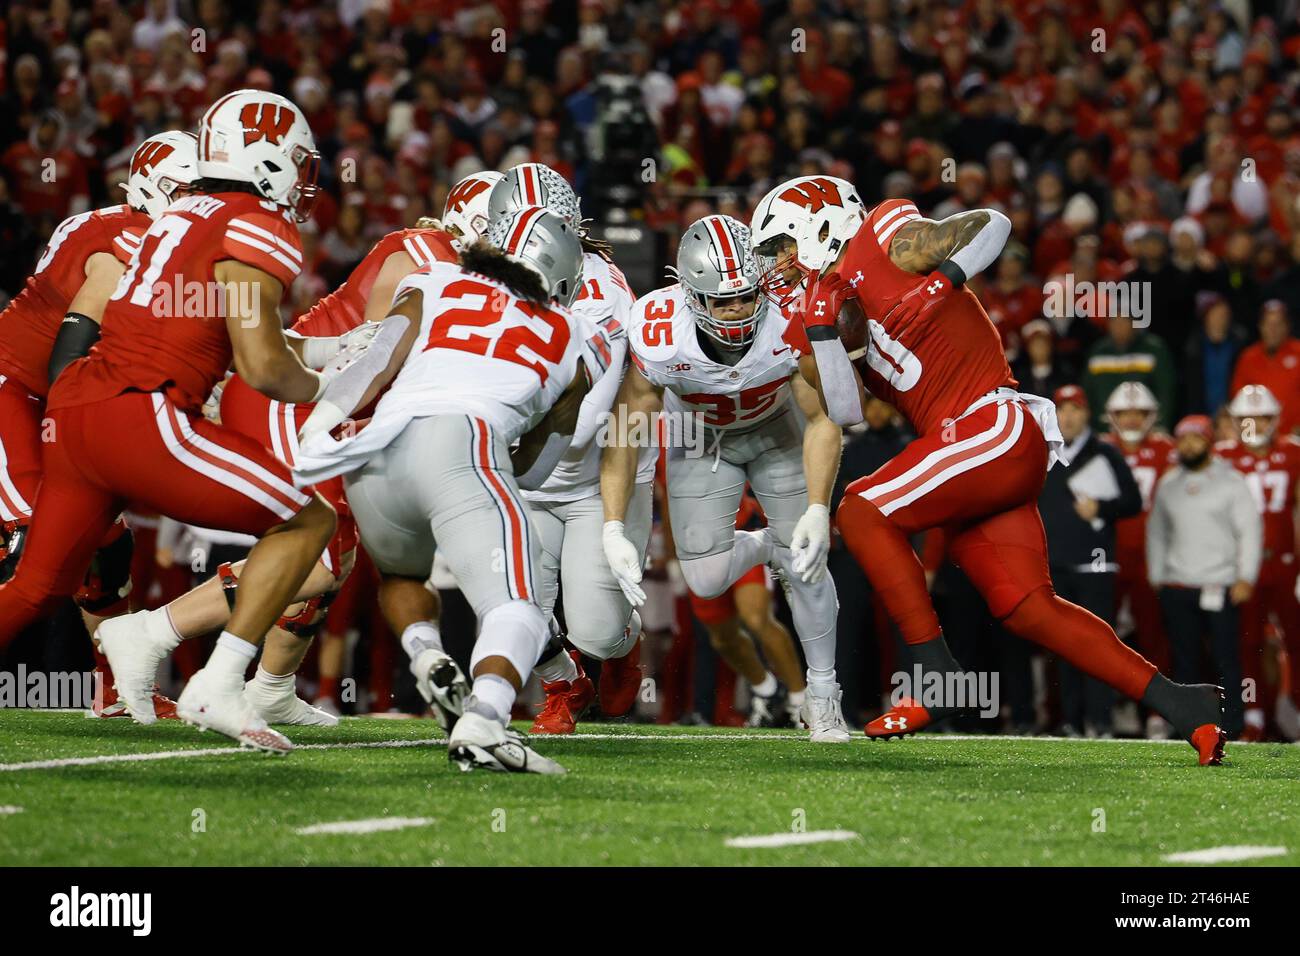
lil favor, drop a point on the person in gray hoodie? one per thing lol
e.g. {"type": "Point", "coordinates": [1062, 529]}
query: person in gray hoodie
{"type": "Point", "coordinates": [1204, 545]}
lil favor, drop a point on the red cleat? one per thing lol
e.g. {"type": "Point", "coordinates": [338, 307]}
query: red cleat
{"type": "Point", "coordinates": [565, 702]}
{"type": "Point", "coordinates": [1208, 741]}
{"type": "Point", "coordinates": [110, 705]}
{"type": "Point", "coordinates": [620, 680]}
{"type": "Point", "coordinates": [901, 721]}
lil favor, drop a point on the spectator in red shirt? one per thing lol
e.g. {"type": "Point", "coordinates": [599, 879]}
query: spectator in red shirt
{"type": "Point", "coordinates": [1273, 361]}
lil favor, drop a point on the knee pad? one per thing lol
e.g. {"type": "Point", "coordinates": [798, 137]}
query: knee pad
{"type": "Point", "coordinates": [307, 622]}
{"type": "Point", "coordinates": [108, 580]}
{"type": "Point", "coordinates": [707, 576]}
{"type": "Point", "coordinates": [516, 631]}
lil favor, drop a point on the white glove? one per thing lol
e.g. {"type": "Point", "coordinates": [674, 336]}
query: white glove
{"type": "Point", "coordinates": [811, 544]}
{"type": "Point", "coordinates": [624, 560]}
{"type": "Point", "coordinates": [319, 351]}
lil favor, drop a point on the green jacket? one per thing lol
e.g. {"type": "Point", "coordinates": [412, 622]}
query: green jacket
{"type": "Point", "coordinates": [1146, 360]}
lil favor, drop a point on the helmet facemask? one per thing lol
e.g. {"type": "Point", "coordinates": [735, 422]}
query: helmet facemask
{"type": "Point", "coordinates": [1131, 435]}
{"type": "Point", "coordinates": [302, 197]}
{"type": "Point", "coordinates": [745, 309]}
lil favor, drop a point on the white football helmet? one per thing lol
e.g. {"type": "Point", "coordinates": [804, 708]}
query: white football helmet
{"type": "Point", "coordinates": [1132, 397]}
{"type": "Point", "coordinates": [714, 265]}
{"type": "Point", "coordinates": [466, 210]}
{"type": "Point", "coordinates": [819, 214]}
{"type": "Point", "coordinates": [546, 244]}
{"type": "Point", "coordinates": [159, 166]}
{"type": "Point", "coordinates": [250, 136]}
{"type": "Point", "coordinates": [1261, 406]}
{"type": "Point", "coordinates": [535, 184]}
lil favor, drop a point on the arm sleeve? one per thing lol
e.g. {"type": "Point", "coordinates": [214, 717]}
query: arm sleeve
{"type": "Point", "coordinates": [77, 334]}
{"type": "Point", "coordinates": [984, 247]}
{"type": "Point", "coordinates": [839, 383]}
{"type": "Point", "coordinates": [347, 387]}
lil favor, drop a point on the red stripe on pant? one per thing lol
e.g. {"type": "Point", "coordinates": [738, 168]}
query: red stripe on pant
{"type": "Point", "coordinates": [518, 555]}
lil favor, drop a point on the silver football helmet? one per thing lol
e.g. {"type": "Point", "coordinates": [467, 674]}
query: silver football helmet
{"type": "Point", "coordinates": [720, 277]}
{"type": "Point", "coordinates": [1132, 397]}
{"type": "Point", "coordinates": [533, 184]}
{"type": "Point", "coordinates": [544, 242]}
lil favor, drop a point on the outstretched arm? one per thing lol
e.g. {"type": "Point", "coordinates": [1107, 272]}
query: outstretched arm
{"type": "Point", "coordinates": [963, 245]}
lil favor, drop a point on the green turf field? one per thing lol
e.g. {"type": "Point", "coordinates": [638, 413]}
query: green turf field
{"type": "Point", "coordinates": [634, 795]}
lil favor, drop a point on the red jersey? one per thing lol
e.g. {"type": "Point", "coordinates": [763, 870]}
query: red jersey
{"type": "Point", "coordinates": [931, 371]}
{"type": "Point", "coordinates": [1273, 480]}
{"type": "Point", "coordinates": [31, 321]}
{"type": "Point", "coordinates": [345, 308]}
{"type": "Point", "coordinates": [1148, 462]}
{"type": "Point", "coordinates": [165, 325]}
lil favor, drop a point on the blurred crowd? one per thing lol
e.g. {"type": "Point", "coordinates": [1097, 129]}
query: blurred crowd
{"type": "Point", "coordinates": [1153, 143]}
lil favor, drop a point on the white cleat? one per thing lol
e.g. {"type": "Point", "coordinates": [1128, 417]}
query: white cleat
{"type": "Point", "coordinates": [442, 685]}
{"type": "Point", "coordinates": [217, 703]}
{"type": "Point", "coordinates": [824, 718]}
{"type": "Point", "coordinates": [478, 743]}
{"type": "Point", "coordinates": [285, 707]}
{"type": "Point", "coordinates": [135, 653]}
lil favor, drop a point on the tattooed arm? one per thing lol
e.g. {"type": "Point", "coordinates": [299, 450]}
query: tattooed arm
{"type": "Point", "coordinates": [960, 246]}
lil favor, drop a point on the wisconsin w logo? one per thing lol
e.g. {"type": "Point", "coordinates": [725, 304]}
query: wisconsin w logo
{"type": "Point", "coordinates": [265, 121]}
{"type": "Point", "coordinates": [463, 192]}
{"type": "Point", "coordinates": [813, 194]}
{"type": "Point", "coordinates": [149, 155]}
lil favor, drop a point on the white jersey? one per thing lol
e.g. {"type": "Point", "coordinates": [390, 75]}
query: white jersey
{"type": "Point", "coordinates": [480, 352]}
{"type": "Point", "coordinates": [666, 348]}
{"type": "Point", "coordinates": [605, 302]}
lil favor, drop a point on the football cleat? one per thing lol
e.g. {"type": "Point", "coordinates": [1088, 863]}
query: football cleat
{"type": "Point", "coordinates": [212, 702]}
{"type": "Point", "coordinates": [907, 717]}
{"type": "Point", "coordinates": [620, 680]}
{"type": "Point", "coordinates": [134, 653]}
{"type": "Point", "coordinates": [479, 743]}
{"type": "Point", "coordinates": [285, 707]}
{"type": "Point", "coordinates": [565, 702]}
{"type": "Point", "coordinates": [440, 682]}
{"type": "Point", "coordinates": [107, 704]}
{"type": "Point", "coordinates": [1208, 740]}
{"type": "Point", "coordinates": [824, 718]}
{"type": "Point", "coordinates": [770, 711]}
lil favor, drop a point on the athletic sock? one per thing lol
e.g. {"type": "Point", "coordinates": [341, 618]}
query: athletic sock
{"type": "Point", "coordinates": [158, 625]}
{"type": "Point", "coordinates": [421, 636]}
{"type": "Point", "coordinates": [274, 682]}
{"type": "Point", "coordinates": [767, 686]}
{"type": "Point", "coordinates": [493, 697]}
{"type": "Point", "coordinates": [559, 667]}
{"type": "Point", "coordinates": [797, 697]}
{"type": "Point", "coordinates": [1082, 639]}
{"type": "Point", "coordinates": [885, 554]}
{"type": "Point", "coordinates": [231, 656]}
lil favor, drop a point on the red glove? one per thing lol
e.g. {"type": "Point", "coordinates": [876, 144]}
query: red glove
{"type": "Point", "coordinates": [926, 295]}
{"type": "Point", "coordinates": [823, 300]}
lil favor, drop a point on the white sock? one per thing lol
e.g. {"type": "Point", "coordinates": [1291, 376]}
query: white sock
{"type": "Point", "coordinates": [231, 656]}
{"type": "Point", "coordinates": [276, 682]}
{"type": "Point", "coordinates": [797, 697]}
{"type": "Point", "coordinates": [821, 682]}
{"type": "Point", "coordinates": [767, 686]}
{"type": "Point", "coordinates": [421, 636]}
{"type": "Point", "coordinates": [493, 697]}
{"type": "Point", "coordinates": [158, 624]}
{"type": "Point", "coordinates": [559, 667]}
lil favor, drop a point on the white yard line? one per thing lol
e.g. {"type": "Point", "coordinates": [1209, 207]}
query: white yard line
{"type": "Point", "coordinates": [377, 825]}
{"type": "Point", "coordinates": [441, 742]}
{"type": "Point", "coordinates": [10, 811]}
{"type": "Point", "coordinates": [790, 839]}
{"type": "Point", "coordinates": [1225, 854]}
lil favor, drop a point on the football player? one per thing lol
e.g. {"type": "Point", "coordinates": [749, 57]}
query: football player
{"type": "Point", "coordinates": [55, 317]}
{"type": "Point", "coordinates": [338, 322]}
{"type": "Point", "coordinates": [475, 356]}
{"type": "Point", "coordinates": [1270, 464]}
{"type": "Point", "coordinates": [983, 449]}
{"type": "Point", "coordinates": [711, 348]}
{"type": "Point", "coordinates": [566, 509]}
{"type": "Point", "coordinates": [1131, 411]}
{"type": "Point", "coordinates": [127, 417]}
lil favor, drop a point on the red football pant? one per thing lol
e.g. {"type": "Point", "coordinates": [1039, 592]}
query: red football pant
{"type": "Point", "coordinates": [20, 451]}
{"type": "Point", "coordinates": [978, 479]}
{"type": "Point", "coordinates": [136, 449]}
{"type": "Point", "coordinates": [275, 426]}
{"type": "Point", "coordinates": [1274, 595]}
